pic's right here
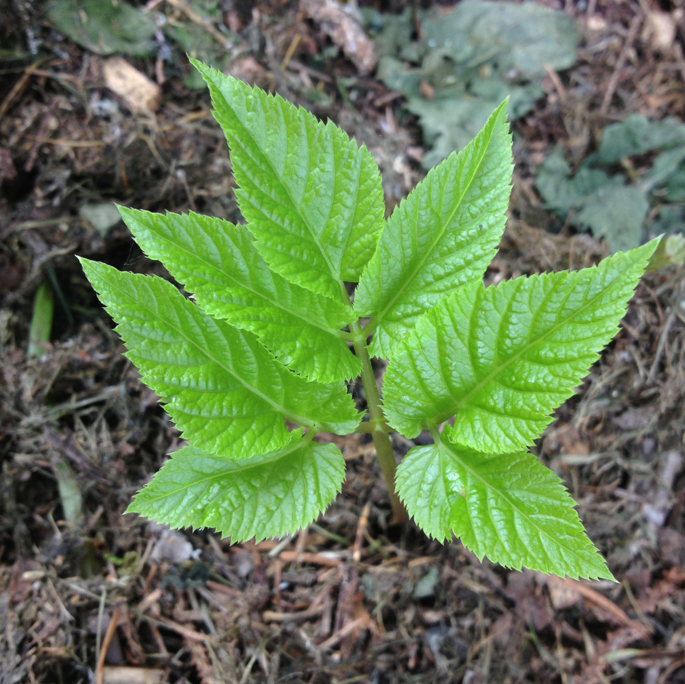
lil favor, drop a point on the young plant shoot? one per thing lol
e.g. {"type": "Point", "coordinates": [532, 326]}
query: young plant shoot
{"type": "Point", "coordinates": [271, 335]}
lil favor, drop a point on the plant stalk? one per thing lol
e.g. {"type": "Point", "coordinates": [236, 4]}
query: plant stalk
{"type": "Point", "coordinates": [381, 439]}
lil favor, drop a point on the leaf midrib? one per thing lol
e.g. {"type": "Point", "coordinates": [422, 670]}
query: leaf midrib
{"type": "Point", "coordinates": [441, 445]}
{"type": "Point", "coordinates": [296, 207]}
{"type": "Point", "coordinates": [298, 419]}
{"type": "Point", "coordinates": [276, 304]}
{"type": "Point", "coordinates": [231, 471]}
{"type": "Point", "coordinates": [463, 402]}
{"type": "Point", "coordinates": [422, 261]}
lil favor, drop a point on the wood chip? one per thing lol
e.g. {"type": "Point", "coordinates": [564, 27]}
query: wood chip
{"type": "Point", "coordinates": [151, 598]}
{"type": "Point", "coordinates": [132, 675]}
{"type": "Point", "coordinates": [139, 93]}
{"type": "Point", "coordinates": [313, 558]}
{"type": "Point", "coordinates": [272, 616]}
{"type": "Point", "coordinates": [183, 631]}
{"type": "Point", "coordinates": [359, 623]}
{"type": "Point", "coordinates": [601, 601]}
{"type": "Point", "coordinates": [344, 31]}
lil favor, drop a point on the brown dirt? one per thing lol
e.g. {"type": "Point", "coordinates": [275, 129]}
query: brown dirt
{"type": "Point", "coordinates": [350, 599]}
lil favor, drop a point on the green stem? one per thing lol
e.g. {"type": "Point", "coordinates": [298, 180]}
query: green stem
{"type": "Point", "coordinates": [381, 439]}
{"type": "Point", "coordinates": [369, 327]}
{"type": "Point", "coordinates": [368, 428]}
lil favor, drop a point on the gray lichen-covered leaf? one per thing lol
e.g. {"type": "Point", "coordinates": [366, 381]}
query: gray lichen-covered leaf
{"type": "Point", "coordinates": [616, 213]}
{"type": "Point", "coordinates": [451, 123]}
{"type": "Point", "coordinates": [472, 58]}
{"type": "Point", "coordinates": [615, 205]}
{"type": "Point", "coordinates": [636, 135]}
{"type": "Point", "coordinates": [505, 36]}
{"type": "Point", "coordinates": [639, 135]}
{"type": "Point", "coordinates": [425, 587]}
{"type": "Point", "coordinates": [102, 216]}
{"type": "Point", "coordinates": [593, 199]}
{"type": "Point", "coordinates": [105, 27]}
{"type": "Point", "coordinates": [195, 41]}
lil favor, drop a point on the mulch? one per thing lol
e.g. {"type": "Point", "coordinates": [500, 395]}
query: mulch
{"type": "Point", "coordinates": [114, 598]}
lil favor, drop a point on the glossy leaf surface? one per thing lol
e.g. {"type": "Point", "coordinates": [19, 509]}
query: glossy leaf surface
{"type": "Point", "coordinates": [507, 507]}
{"type": "Point", "coordinates": [264, 496]}
{"type": "Point", "coordinates": [442, 236]}
{"type": "Point", "coordinates": [503, 358]}
{"type": "Point", "coordinates": [217, 261]}
{"type": "Point", "coordinates": [312, 198]}
{"type": "Point", "coordinates": [223, 389]}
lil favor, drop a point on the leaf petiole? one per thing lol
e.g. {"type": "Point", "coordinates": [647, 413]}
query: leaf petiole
{"type": "Point", "coordinates": [348, 337]}
{"type": "Point", "coordinates": [369, 427]}
{"type": "Point", "coordinates": [369, 327]}
{"type": "Point", "coordinates": [381, 439]}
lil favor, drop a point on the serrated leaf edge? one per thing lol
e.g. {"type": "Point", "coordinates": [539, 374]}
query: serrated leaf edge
{"type": "Point", "coordinates": [245, 464]}
{"type": "Point", "coordinates": [292, 416]}
{"type": "Point", "coordinates": [647, 250]}
{"type": "Point", "coordinates": [440, 444]}
{"type": "Point", "coordinates": [297, 442]}
{"type": "Point", "coordinates": [125, 211]}
{"type": "Point", "coordinates": [380, 316]}
{"type": "Point", "coordinates": [205, 71]}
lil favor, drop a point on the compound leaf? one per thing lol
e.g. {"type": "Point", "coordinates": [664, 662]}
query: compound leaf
{"type": "Point", "coordinates": [442, 236]}
{"type": "Point", "coordinates": [503, 358]}
{"type": "Point", "coordinates": [223, 389]}
{"type": "Point", "coordinates": [260, 497]}
{"type": "Point", "coordinates": [311, 197]}
{"type": "Point", "coordinates": [508, 507]}
{"type": "Point", "coordinates": [218, 262]}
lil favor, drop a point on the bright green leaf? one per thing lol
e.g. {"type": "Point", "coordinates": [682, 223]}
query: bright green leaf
{"type": "Point", "coordinates": [494, 362]}
{"type": "Point", "coordinates": [442, 236]}
{"type": "Point", "coordinates": [264, 496]}
{"type": "Point", "coordinates": [503, 358]}
{"type": "Point", "coordinates": [223, 389]}
{"type": "Point", "coordinates": [507, 507]}
{"type": "Point", "coordinates": [218, 262]}
{"type": "Point", "coordinates": [311, 197]}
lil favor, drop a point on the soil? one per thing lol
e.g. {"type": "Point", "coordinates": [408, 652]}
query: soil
{"type": "Point", "coordinates": [89, 594]}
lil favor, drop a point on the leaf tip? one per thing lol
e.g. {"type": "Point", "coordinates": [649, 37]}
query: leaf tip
{"type": "Point", "coordinates": [126, 212]}
{"type": "Point", "coordinates": [503, 107]}
{"type": "Point", "coordinates": [89, 266]}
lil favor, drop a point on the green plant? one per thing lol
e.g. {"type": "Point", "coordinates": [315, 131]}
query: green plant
{"type": "Point", "coordinates": [269, 337]}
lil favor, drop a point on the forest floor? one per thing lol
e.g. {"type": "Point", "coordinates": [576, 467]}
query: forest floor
{"type": "Point", "coordinates": [88, 594]}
